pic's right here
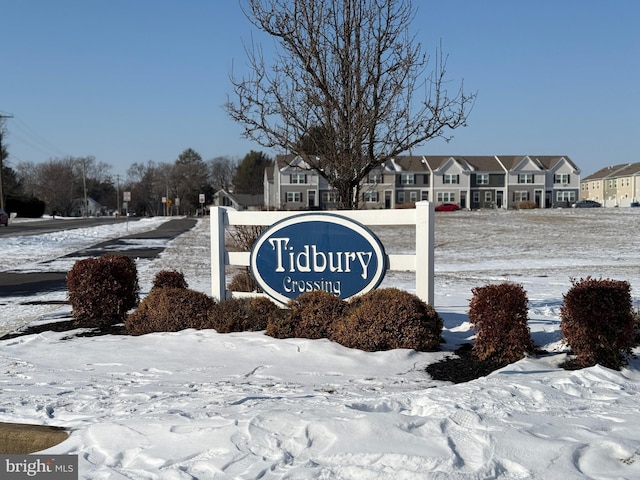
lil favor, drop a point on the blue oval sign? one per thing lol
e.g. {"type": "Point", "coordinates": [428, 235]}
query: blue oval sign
{"type": "Point", "coordinates": [317, 251]}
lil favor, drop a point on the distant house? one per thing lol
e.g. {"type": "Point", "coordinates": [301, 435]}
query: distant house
{"type": "Point", "coordinates": [613, 186]}
{"type": "Point", "coordinates": [471, 182]}
{"type": "Point", "coordinates": [91, 209]}
{"type": "Point", "coordinates": [239, 201]}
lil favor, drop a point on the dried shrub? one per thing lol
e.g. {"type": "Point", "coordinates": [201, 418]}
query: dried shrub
{"type": "Point", "coordinates": [102, 290]}
{"type": "Point", "coordinates": [597, 322]}
{"type": "Point", "coordinates": [243, 281]}
{"type": "Point", "coordinates": [242, 315]}
{"type": "Point", "coordinates": [311, 315]}
{"type": "Point", "coordinates": [527, 205]}
{"type": "Point", "coordinates": [390, 318]}
{"type": "Point", "coordinates": [636, 323]}
{"type": "Point", "coordinates": [281, 327]}
{"type": "Point", "coordinates": [244, 236]}
{"type": "Point", "coordinates": [169, 279]}
{"type": "Point", "coordinates": [169, 310]}
{"type": "Point", "coordinates": [499, 315]}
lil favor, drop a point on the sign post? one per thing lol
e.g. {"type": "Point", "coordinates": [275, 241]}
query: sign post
{"type": "Point", "coordinates": [201, 199]}
{"type": "Point", "coordinates": [126, 196]}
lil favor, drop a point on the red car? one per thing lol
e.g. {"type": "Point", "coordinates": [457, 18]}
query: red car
{"type": "Point", "coordinates": [4, 218]}
{"type": "Point", "coordinates": [447, 207]}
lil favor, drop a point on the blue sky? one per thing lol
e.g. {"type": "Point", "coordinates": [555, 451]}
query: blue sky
{"type": "Point", "coordinates": [134, 80]}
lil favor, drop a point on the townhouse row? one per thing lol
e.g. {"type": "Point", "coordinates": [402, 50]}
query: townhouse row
{"type": "Point", "coordinates": [472, 182]}
{"type": "Point", "coordinates": [614, 186]}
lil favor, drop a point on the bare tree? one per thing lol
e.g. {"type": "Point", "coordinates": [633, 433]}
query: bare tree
{"type": "Point", "coordinates": [348, 78]}
{"type": "Point", "coordinates": [221, 171]}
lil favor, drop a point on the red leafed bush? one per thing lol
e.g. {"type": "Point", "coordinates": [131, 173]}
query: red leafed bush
{"type": "Point", "coordinates": [243, 281]}
{"type": "Point", "coordinates": [243, 315]}
{"type": "Point", "coordinates": [597, 322]}
{"type": "Point", "coordinates": [102, 290]}
{"type": "Point", "coordinates": [390, 318]}
{"type": "Point", "coordinates": [169, 279]}
{"type": "Point", "coordinates": [169, 310]}
{"type": "Point", "coordinates": [499, 315]}
{"type": "Point", "coordinates": [311, 315]}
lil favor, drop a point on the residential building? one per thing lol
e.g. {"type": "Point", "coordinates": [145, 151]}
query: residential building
{"type": "Point", "coordinates": [613, 186]}
{"type": "Point", "coordinates": [472, 182]}
{"type": "Point", "coordinates": [238, 201]}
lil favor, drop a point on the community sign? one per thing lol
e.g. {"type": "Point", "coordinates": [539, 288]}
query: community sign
{"type": "Point", "coordinates": [317, 251]}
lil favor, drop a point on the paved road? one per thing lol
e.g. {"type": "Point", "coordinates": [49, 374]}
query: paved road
{"type": "Point", "coordinates": [38, 227]}
{"type": "Point", "coordinates": [27, 284]}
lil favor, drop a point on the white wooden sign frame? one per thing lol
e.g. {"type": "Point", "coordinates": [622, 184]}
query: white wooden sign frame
{"type": "Point", "coordinates": [421, 262]}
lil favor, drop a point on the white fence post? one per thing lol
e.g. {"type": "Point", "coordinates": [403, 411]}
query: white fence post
{"type": "Point", "coordinates": [425, 243]}
{"type": "Point", "coordinates": [218, 254]}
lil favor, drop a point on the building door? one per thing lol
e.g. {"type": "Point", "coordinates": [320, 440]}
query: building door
{"type": "Point", "coordinates": [312, 199]}
{"type": "Point", "coordinates": [387, 199]}
{"type": "Point", "coordinates": [499, 200]}
{"type": "Point", "coordinates": [538, 198]}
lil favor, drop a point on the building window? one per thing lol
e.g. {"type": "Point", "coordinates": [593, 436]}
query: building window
{"type": "Point", "coordinates": [370, 197]}
{"type": "Point", "coordinates": [566, 196]}
{"type": "Point", "coordinates": [413, 197]}
{"type": "Point", "coordinates": [293, 197]}
{"type": "Point", "coordinates": [476, 197]}
{"type": "Point", "coordinates": [329, 197]}
{"type": "Point", "coordinates": [449, 179]}
{"type": "Point", "coordinates": [298, 178]}
{"type": "Point", "coordinates": [561, 178]}
{"type": "Point", "coordinates": [407, 179]}
{"type": "Point", "coordinates": [488, 196]}
{"type": "Point", "coordinates": [446, 197]}
{"type": "Point", "coordinates": [525, 178]}
{"type": "Point", "coordinates": [424, 195]}
{"type": "Point", "coordinates": [482, 179]}
{"type": "Point", "coordinates": [400, 197]}
{"type": "Point", "coordinates": [374, 179]}
{"type": "Point", "coordinates": [521, 196]}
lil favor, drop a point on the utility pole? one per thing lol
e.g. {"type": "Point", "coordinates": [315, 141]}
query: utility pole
{"type": "Point", "coordinates": [2, 117]}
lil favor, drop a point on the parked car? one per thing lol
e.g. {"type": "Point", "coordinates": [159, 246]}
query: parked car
{"type": "Point", "coordinates": [586, 204]}
{"type": "Point", "coordinates": [447, 207]}
{"type": "Point", "coordinates": [4, 218]}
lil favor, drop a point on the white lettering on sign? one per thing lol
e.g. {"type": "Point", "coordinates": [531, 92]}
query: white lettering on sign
{"type": "Point", "coordinates": [301, 286]}
{"type": "Point", "coordinates": [309, 259]}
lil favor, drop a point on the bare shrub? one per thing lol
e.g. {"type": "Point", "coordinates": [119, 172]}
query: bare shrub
{"type": "Point", "coordinates": [242, 315]}
{"type": "Point", "coordinates": [102, 290]}
{"type": "Point", "coordinates": [597, 322]}
{"type": "Point", "coordinates": [499, 314]}
{"type": "Point", "coordinates": [243, 281]}
{"type": "Point", "coordinates": [315, 314]}
{"type": "Point", "coordinates": [527, 205]}
{"type": "Point", "coordinates": [244, 236]}
{"type": "Point", "coordinates": [169, 310]}
{"type": "Point", "coordinates": [169, 279]}
{"type": "Point", "coordinates": [390, 318]}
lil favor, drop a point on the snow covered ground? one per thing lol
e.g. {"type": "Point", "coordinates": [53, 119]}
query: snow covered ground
{"type": "Point", "coordinates": [198, 404]}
